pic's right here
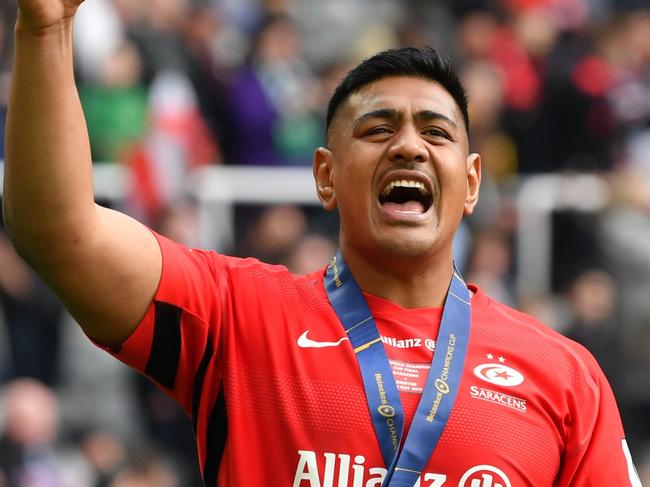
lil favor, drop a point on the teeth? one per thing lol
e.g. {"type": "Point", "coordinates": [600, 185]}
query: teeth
{"type": "Point", "coordinates": [405, 183]}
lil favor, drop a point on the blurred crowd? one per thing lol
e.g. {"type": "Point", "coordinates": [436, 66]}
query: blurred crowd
{"type": "Point", "coordinates": [168, 86]}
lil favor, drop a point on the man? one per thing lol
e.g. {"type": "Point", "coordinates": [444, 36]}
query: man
{"type": "Point", "coordinates": [325, 379]}
{"type": "Point", "coordinates": [31, 422]}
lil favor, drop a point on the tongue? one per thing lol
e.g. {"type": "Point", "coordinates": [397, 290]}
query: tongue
{"type": "Point", "coordinates": [406, 207]}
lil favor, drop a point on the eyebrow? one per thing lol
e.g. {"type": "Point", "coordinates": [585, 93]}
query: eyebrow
{"type": "Point", "coordinates": [429, 115]}
{"type": "Point", "coordinates": [395, 115]}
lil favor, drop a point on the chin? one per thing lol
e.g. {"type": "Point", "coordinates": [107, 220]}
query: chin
{"type": "Point", "coordinates": [407, 246]}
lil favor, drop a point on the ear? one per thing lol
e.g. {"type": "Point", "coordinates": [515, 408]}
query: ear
{"type": "Point", "coordinates": [324, 176]}
{"type": "Point", "coordinates": [473, 182]}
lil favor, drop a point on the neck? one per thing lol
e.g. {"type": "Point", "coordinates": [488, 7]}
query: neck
{"type": "Point", "coordinates": [420, 282]}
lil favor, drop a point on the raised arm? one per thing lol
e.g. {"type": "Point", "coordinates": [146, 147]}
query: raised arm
{"type": "Point", "coordinates": [104, 265]}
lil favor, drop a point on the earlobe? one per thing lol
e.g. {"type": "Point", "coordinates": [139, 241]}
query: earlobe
{"type": "Point", "coordinates": [473, 182]}
{"type": "Point", "coordinates": [324, 177]}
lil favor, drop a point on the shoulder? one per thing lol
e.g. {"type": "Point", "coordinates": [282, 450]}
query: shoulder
{"type": "Point", "coordinates": [213, 262]}
{"type": "Point", "coordinates": [259, 274]}
{"type": "Point", "coordinates": [247, 274]}
{"type": "Point", "coordinates": [197, 277]}
{"type": "Point", "coordinates": [528, 337]}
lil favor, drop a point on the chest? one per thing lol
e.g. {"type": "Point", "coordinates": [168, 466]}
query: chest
{"type": "Point", "coordinates": [292, 374]}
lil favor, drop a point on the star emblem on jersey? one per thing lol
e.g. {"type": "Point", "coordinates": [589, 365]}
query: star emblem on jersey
{"type": "Point", "coordinates": [305, 342]}
{"type": "Point", "coordinates": [501, 358]}
{"type": "Point", "coordinates": [499, 374]}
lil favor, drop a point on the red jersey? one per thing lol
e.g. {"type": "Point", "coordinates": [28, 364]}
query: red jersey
{"type": "Point", "coordinates": [259, 360]}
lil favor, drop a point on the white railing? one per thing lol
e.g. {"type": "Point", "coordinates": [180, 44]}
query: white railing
{"type": "Point", "coordinates": [537, 198]}
{"type": "Point", "coordinates": [218, 189]}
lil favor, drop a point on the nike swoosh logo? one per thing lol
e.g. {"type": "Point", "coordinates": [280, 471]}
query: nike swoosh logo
{"type": "Point", "coordinates": [305, 342]}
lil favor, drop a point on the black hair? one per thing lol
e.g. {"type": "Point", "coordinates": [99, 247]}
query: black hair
{"type": "Point", "coordinates": [418, 62]}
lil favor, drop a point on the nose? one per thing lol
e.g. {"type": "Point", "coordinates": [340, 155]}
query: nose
{"type": "Point", "coordinates": [408, 146]}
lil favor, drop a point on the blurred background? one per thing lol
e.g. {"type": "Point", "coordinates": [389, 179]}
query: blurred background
{"type": "Point", "coordinates": [203, 115]}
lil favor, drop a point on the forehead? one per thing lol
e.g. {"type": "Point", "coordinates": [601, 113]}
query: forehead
{"type": "Point", "coordinates": [406, 94]}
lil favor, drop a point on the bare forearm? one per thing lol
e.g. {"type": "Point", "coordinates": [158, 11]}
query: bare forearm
{"type": "Point", "coordinates": [48, 174]}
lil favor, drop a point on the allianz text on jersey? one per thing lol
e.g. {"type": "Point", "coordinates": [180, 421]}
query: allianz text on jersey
{"type": "Point", "coordinates": [345, 470]}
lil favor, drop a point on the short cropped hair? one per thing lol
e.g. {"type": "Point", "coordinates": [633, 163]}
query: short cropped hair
{"type": "Point", "coordinates": [417, 62]}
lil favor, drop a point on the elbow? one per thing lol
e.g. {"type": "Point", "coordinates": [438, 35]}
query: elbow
{"type": "Point", "coordinates": [9, 221]}
{"type": "Point", "coordinates": [7, 218]}
{"type": "Point", "coordinates": [25, 243]}
{"type": "Point", "coordinates": [13, 234]}
{"type": "Point", "coordinates": [46, 240]}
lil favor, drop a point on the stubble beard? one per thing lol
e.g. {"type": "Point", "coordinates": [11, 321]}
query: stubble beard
{"type": "Point", "coordinates": [407, 247]}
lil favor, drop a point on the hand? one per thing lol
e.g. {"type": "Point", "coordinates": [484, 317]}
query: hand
{"type": "Point", "coordinates": [37, 16]}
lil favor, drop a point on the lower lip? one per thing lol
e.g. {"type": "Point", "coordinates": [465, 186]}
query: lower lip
{"type": "Point", "coordinates": [403, 216]}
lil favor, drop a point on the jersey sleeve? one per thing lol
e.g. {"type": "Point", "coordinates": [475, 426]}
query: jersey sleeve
{"type": "Point", "coordinates": [179, 335]}
{"type": "Point", "coordinates": [596, 451]}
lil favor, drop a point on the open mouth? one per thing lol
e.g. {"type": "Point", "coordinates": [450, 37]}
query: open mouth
{"type": "Point", "coordinates": [406, 196]}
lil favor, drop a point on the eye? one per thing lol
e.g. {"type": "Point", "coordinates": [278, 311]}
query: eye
{"type": "Point", "coordinates": [381, 130]}
{"type": "Point", "coordinates": [435, 132]}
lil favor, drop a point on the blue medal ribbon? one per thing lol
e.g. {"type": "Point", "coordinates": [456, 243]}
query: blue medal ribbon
{"type": "Point", "coordinates": [406, 464]}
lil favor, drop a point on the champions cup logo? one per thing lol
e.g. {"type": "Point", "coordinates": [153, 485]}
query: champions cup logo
{"type": "Point", "coordinates": [442, 386]}
{"type": "Point", "coordinates": [441, 383]}
{"type": "Point", "coordinates": [386, 410]}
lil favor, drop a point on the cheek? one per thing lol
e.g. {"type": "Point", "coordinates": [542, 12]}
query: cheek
{"type": "Point", "coordinates": [353, 183]}
{"type": "Point", "coordinates": [352, 197]}
{"type": "Point", "coordinates": [454, 189]}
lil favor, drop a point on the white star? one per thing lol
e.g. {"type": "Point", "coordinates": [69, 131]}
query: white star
{"type": "Point", "coordinates": [502, 359]}
{"type": "Point", "coordinates": [490, 356]}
